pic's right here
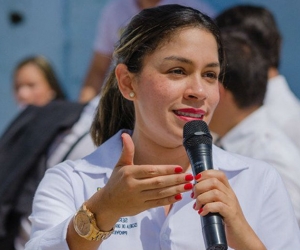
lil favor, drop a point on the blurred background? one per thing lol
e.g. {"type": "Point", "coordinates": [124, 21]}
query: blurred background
{"type": "Point", "coordinates": [64, 31]}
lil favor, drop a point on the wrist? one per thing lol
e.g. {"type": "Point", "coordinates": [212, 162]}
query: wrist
{"type": "Point", "coordinates": [104, 216]}
{"type": "Point", "coordinates": [86, 227]}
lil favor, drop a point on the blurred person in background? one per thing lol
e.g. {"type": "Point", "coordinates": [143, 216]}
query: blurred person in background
{"type": "Point", "coordinates": [282, 105]}
{"type": "Point", "coordinates": [112, 21]}
{"type": "Point", "coordinates": [28, 142]}
{"type": "Point", "coordinates": [35, 82]}
{"type": "Point", "coordinates": [242, 121]}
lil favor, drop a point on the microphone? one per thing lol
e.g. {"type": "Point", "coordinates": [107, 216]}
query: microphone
{"type": "Point", "coordinates": [197, 141]}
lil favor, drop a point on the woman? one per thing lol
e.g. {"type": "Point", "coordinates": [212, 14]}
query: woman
{"type": "Point", "coordinates": [35, 82]}
{"type": "Point", "coordinates": [166, 72]}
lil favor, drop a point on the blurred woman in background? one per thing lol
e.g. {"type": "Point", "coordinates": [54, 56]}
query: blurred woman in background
{"type": "Point", "coordinates": [35, 82]}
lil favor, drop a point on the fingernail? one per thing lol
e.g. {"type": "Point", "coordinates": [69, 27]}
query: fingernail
{"type": "Point", "coordinates": [194, 206]}
{"type": "Point", "coordinates": [192, 195]}
{"type": "Point", "coordinates": [178, 197]}
{"type": "Point", "coordinates": [198, 176]}
{"type": "Point", "coordinates": [189, 177]}
{"type": "Point", "coordinates": [178, 170]}
{"type": "Point", "coordinates": [200, 210]}
{"type": "Point", "coordinates": [188, 186]}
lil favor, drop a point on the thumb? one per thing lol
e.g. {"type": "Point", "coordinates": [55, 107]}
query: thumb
{"type": "Point", "coordinates": [127, 154]}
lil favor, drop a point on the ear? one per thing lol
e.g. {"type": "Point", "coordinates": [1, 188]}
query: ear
{"type": "Point", "coordinates": [125, 80]}
{"type": "Point", "coordinates": [222, 90]}
{"type": "Point", "coordinates": [226, 95]}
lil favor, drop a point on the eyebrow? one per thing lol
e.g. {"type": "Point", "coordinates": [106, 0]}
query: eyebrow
{"type": "Point", "coordinates": [184, 60]}
{"type": "Point", "coordinates": [180, 59]}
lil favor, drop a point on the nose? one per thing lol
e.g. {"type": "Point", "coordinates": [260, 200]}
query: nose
{"type": "Point", "coordinates": [23, 95]}
{"type": "Point", "coordinates": [196, 89]}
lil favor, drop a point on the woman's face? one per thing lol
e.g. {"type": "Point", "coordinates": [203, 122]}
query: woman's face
{"type": "Point", "coordinates": [178, 83]}
{"type": "Point", "coordinates": [31, 87]}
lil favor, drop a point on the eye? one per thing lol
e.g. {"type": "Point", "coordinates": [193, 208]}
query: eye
{"type": "Point", "coordinates": [211, 75]}
{"type": "Point", "coordinates": [31, 85]}
{"type": "Point", "coordinates": [177, 71]}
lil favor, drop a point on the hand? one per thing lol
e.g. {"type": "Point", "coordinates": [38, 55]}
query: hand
{"type": "Point", "coordinates": [214, 194]}
{"type": "Point", "coordinates": [132, 189]}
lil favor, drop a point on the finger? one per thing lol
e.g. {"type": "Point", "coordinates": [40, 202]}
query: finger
{"type": "Point", "coordinates": [214, 207]}
{"type": "Point", "coordinates": [207, 185]}
{"type": "Point", "coordinates": [127, 154]}
{"type": "Point", "coordinates": [161, 193]}
{"type": "Point", "coordinates": [210, 197]}
{"type": "Point", "coordinates": [164, 181]}
{"type": "Point", "coordinates": [212, 173]}
{"type": "Point", "coordinates": [150, 171]}
{"type": "Point", "coordinates": [163, 201]}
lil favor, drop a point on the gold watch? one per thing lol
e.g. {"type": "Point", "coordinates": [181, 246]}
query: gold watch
{"type": "Point", "coordinates": [85, 225]}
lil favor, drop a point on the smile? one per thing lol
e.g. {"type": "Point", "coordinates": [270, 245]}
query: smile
{"type": "Point", "coordinates": [186, 114]}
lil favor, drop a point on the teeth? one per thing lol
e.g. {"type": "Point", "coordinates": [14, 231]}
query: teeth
{"type": "Point", "coordinates": [189, 114]}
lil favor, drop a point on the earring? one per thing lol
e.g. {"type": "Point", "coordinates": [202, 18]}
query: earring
{"type": "Point", "coordinates": [131, 94]}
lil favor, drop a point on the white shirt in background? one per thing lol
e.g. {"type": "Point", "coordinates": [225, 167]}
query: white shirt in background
{"type": "Point", "coordinates": [258, 137]}
{"type": "Point", "coordinates": [284, 108]}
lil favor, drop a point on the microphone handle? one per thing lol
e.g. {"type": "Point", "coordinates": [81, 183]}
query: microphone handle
{"type": "Point", "coordinates": [212, 224]}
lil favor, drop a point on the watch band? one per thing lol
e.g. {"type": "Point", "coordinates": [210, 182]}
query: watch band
{"type": "Point", "coordinates": [94, 234]}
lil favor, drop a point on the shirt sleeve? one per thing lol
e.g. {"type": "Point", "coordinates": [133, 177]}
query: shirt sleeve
{"type": "Point", "coordinates": [53, 208]}
{"type": "Point", "coordinates": [107, 30]}
{"type": "Point", "coordinates": [279, 229]}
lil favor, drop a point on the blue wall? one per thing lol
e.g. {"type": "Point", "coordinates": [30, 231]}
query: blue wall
{"type": "Point", "coordinates": [64, 31]}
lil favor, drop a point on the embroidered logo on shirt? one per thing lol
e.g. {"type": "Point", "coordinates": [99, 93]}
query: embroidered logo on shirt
{"type": "Point", "coordinates": [123, 225]}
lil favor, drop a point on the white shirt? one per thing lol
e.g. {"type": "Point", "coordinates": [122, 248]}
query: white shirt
{"type": "Point", "coordinates": [283, 107]}
{"type": "Point", "coordinates": [258, 186]}
{"type": "Point", "coordinates": [258, 137]}
{"type": "Point", "coordinates": [117, 14]}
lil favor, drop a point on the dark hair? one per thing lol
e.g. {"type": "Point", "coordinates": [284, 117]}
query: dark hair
{"type": "Point", "coordinates": [146, 31]}
{"type": "Point", "coordinates": [261, 26]}
{"type": "Point", "coordinates": [246, 70]}
{"type": "Point", "coordinates": [45, 67]}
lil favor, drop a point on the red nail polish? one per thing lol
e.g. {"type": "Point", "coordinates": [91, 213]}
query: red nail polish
{"type": "Point", "coordinates": [194, 206]}
{"type": "Point", "coordinates": [178, 197]}
{"type": "Point", "coordinates": [188, 186]}
{"type": "Point", "coordinates": [198, 176]}
{"type": "Point", "coordinates": [178, 170]}
{"type": "Point", "coordinates": [200, 210]}
{"type": "Point", "coordinates": [192, 195]}
{"type": "Point", "coordinates": [189, 177]}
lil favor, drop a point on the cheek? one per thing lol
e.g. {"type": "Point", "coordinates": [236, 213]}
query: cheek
{"type": "Point", "coordinates": [214, 95]}
{"type": "Point", "coordinates": [213, 100]}
{"type": "Point", "coordinates": [154, 88]}
{"type": "Point", "coordinates": [43, 89]}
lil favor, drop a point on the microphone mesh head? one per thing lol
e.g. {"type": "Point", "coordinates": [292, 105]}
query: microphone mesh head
{"type": "Point", "coordinates": [196, 132]}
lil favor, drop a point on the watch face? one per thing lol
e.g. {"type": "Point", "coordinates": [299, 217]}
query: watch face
{"type": "Point", "coordinates": [82, 223]}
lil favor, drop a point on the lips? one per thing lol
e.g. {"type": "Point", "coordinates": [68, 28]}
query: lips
{"type": "Point", "coordinates": [190, 114]}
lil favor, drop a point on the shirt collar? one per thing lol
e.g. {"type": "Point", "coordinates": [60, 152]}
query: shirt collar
{"type": "Point", "coordinates": [227, 161]}
{"type": "Point", "coordinates": [105, 157]}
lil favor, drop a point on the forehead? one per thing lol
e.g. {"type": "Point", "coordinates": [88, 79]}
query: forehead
{"type": "Point", "coordinates": [29, 67]}
{"type": "Point", "coordinates": [192, 41]}
{"type": "Point", "coordinates": [29, 72]}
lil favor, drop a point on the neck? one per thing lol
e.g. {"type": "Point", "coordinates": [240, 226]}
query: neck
{"type": "Point", "coordinates": [150, 153]}
{"type": "Point", "coordinates": [273, 72]}
{"type": "Point", "coordinates": [233, 117]}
